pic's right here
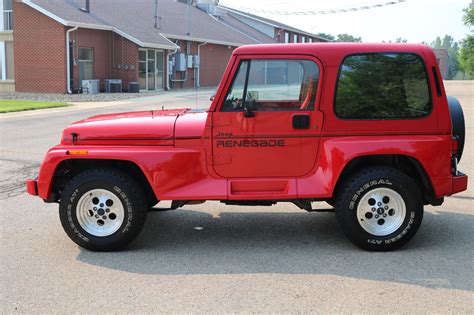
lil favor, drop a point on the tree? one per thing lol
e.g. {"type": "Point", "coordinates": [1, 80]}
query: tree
{"type": "Point", "coordinates": [327, 36]}
{"type": "Point", "coordinates": [469, 15]}
{"type": "Point", "coordinates": [401, 40]}
{"type": "Point", "coordinates": [466, 55]}
{"type": "Point", "coordinates": [348, 38]}
{"type": "Point", "coordinates": [466, 52]}
{"type": "Point", "coordinates": [340, 37]}
{"type": "Point", "coordinates": [398, 40]}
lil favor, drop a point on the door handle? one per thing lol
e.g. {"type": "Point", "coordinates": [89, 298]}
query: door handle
{"type": "Point", "coordinates": [301, 121]}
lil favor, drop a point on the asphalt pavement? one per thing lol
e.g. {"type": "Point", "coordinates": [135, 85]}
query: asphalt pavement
{"type": "Point", "coordinates": [216, 258]}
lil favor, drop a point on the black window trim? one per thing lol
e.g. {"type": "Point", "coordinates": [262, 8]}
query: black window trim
{"type": "Point", "coordinates": [221, 108]}
{"type": "Point", "coordinates": [437, 83]}
{"type": "Point", "coordinates": [379, 119]}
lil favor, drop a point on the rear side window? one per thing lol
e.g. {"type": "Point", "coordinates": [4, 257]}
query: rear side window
{"type": "Point", "coordinates": [382, 86]}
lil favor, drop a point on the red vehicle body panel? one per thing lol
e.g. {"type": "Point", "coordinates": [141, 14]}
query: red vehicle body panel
{"type": "Point", "coordinates": [183, 154]}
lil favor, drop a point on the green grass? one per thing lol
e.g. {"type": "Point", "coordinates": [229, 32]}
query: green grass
{"type": "Point", "coordinates": [7, 106]}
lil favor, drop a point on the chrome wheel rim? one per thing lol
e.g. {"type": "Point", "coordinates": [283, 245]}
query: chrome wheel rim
{"type": "Point", "coordinates": [381, 211]}
{"type": "Point", "coordinates": [100, 212]}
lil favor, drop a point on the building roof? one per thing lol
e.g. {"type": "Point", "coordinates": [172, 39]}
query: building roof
{"type": "Point", "coordinates": [135, 21]}
{"type": "Point", "coordinates": [236, 24]}
{"type": "Point", "coordinates": [271, 22]}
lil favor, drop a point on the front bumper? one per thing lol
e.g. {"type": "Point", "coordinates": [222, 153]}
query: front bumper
{"type": "Point", "coordinates": [32, 186]}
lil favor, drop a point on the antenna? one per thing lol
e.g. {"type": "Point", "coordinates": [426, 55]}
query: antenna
{"type": "Point", "coordinates": [156, 15]}
{"type": "Point", "coordinates": [189, 16]}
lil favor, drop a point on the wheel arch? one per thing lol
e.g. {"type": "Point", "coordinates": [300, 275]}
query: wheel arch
{"type": "Point", "coordinates": [69, 168]}
{"type": "Point", "coordinates": [407, 164]}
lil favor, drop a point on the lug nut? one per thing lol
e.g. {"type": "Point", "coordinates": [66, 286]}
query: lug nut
{"type": "Point", "coordinates": [95, 208]}
{"type": "Point", "coordinates": [96, 216]}
{"type": "Point", "coordinates": [379, 204]}
{"type": "Point", "coordinates": [386, 207]}
{"type": "Point", "coordinates": [373, 209]}
{"type": "Point", "coordinates": [105, 217]}
{"type": "Point", "coordinates": [376, 216]}
{"type": "Point", "coordinates": [384, 215]}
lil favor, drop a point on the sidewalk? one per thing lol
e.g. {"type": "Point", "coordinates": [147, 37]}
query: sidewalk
{"type": "Point", "coordinates": [93, 98]}
{"type": "Point", "coordinates": [188, 98]}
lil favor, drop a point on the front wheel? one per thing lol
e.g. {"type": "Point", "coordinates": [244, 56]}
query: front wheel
{"type": "Point", "coordinates": [379, 209]}
{"type": "Point", "coordinates": [102, 210]}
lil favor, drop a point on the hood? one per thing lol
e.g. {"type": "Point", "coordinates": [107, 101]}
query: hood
{"type": "Point", "coordinates": [132, 128]}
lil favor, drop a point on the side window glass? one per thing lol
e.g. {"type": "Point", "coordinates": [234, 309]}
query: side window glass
{"type": "Point", "coordinates": [274, 85]}
{"type": "Point", "coordinates": [382, 86]}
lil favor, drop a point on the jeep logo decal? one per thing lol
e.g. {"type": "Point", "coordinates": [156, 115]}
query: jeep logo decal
{"type": "Point", "coordinates": [250, 143]}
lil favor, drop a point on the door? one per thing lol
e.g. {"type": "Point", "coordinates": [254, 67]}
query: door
{"type": "Point", "coordinates": [86, 64]}
{"type": "Point", "coordinates": [267, 125]}
{"type": "Point", "coordinates": [160, 70]}
{"type": "Point", "coordinates": [151, 69]}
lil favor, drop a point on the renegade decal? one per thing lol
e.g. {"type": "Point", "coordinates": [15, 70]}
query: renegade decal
{"type": "Point", "coordinates": [250, 143]}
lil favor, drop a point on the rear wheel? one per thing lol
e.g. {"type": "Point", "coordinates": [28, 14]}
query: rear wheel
{"type": "Point", "coordinates": [379, 209]}
{"type": "Point", "coordinates": [102, 210]}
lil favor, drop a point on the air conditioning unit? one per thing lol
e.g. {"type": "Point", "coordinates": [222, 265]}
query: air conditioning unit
{"type": "Point", "coordinates": [90, 86]}
{"type": "Point", "coordinates": [113, 86]}
{"type": "Point", "coordinates": [133, 87]}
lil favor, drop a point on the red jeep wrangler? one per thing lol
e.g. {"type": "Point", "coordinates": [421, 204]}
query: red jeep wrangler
{"type": "Point", "coordinates": [367, 128]}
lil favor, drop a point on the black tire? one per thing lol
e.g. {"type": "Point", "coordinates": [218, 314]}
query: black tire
{"type": "Point", "coordinates": [123, 189]}
{"type": "Point", "coordinates": [378, 180]}
{"type": "Point", "coordinates": [458, 124]}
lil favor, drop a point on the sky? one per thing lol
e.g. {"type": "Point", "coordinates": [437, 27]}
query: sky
{"type": "Point", "coordinates": [414, 20]}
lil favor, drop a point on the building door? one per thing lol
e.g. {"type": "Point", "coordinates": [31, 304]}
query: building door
{"type": "Point", "coordinates": [160, 73]}
{"type": "Point", "coordinates": [151, 69]}
{"type": "Point", "coordinates": [86, 64]}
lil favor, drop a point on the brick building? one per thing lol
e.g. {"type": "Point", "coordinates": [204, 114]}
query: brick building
{"type": "Point", "coordinates": [442, 57]}
{"type": "Point", "coordinates": [161, 44]}
{"type": "Point", "coordinates": [7, 83]}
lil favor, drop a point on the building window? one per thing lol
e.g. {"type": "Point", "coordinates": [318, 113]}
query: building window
{"type": "Point", "coordinates": [287, 37]}
{"type": "Point", "coordinates": [86, 64]}
{"type": "Point", "coordinates": [303, 39]}
{"type": "Point", "coordinates": [3, 74]}
{"type": "Point", "coordinates": [6, 61]}
{"type": "Point", "coordinates": [382, 86]}
{"type": "Point", "coordinates": [10, 65]}
{"type": "Point", "coordinates": [7, 15]}
{"type": "Point", "coordinates": [295, 38]}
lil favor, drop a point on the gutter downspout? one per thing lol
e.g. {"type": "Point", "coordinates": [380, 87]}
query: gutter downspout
{"type": "Point", "coordinates": [198, 79]}
{"type": "Point", "coordinates": [68, 59]}
{"type": "Point", "coordinates": [168, 55]}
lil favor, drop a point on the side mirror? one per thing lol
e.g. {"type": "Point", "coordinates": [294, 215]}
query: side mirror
{"type": "Point", "coordinates": [250, 106]}
{"type": "Point", "coordinates": [213, 97]}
